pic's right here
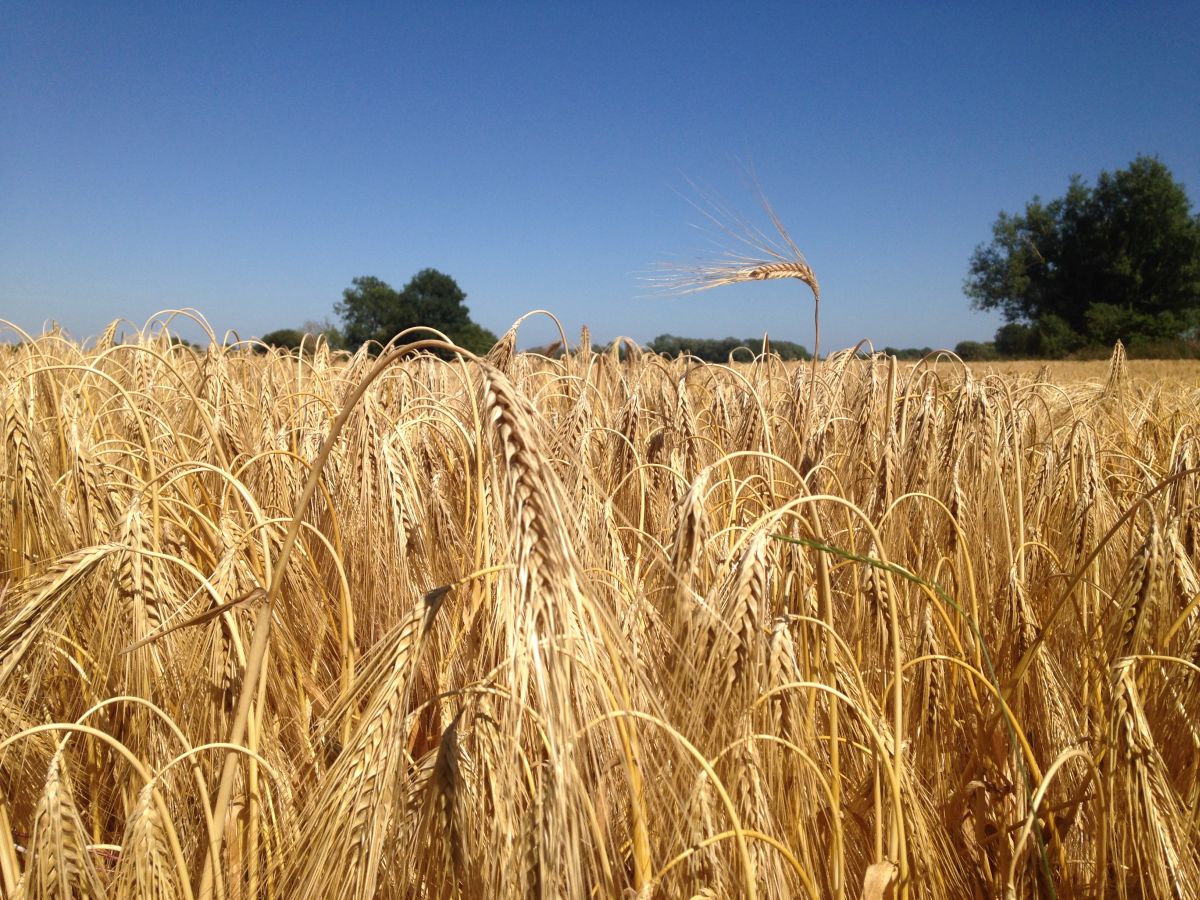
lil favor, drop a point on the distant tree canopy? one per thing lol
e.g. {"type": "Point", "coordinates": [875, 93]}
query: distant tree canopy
{"type": "Point", "coordinates": [1120, 260]}
{"type": "Point", "coordinates": [283, 338]}
{"type": "Point", "coordinates": [718, 349]}
{"type": "Point", "coordinates": [306, 335]}
{"type": "Point", "coordinates": [372, 310]}
{"type": "Point", "coordinates": [975, 351]}
{"type": "Point", "coordinates": [908, 352]}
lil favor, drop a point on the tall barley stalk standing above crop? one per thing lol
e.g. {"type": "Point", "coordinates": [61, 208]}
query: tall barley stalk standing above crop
{"type": "Point", "coordinates": [759, 258]}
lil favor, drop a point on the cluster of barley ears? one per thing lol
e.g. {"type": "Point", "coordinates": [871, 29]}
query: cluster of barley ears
{"type": "Point", "coordinates": [607, 625]}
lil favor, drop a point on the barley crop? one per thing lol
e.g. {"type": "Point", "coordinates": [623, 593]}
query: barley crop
{"type": "Point", "coordinates": [601, 625]}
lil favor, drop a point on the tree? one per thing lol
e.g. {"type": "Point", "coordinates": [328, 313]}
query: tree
{"type": "Point", "coordinates": [974, 351]}
{"type": "Point", "coordinates": [1015, 339]}
{"type": "Point", "coordinates": [475, 337]}
{"type": "Point", "coordinates": [908, 352]}
{"type": "Point", "coordinates": [1120, 260]}
{"type": "Point", "coordinates": [306, 335]}
{"type": "Point", "coordinates": [327, 330]}
{"type": "Point", "coordinates": [372, 310]}
{"type": "Point", "coordinates": [718, 349]}
{"type": "Point", "coordinates": [283, 338]}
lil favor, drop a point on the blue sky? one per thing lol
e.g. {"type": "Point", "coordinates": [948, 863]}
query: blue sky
{"type": "Point", "coordinates": [250, 161]}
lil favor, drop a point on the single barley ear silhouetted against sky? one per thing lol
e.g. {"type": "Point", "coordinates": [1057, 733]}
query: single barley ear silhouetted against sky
{"type": "Point", "coordinates": [746, 253]}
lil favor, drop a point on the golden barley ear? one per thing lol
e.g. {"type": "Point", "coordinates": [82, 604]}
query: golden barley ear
{"type": "Point", "coordinates": [59, 864]}
{"type": "Point", "coordinates": [757, 257]}
{"type": "Point", "coordinates": [145, 868]}
{"type": "Point", "coordinates": [39, 599]}
{"type": "Point", "coordinates": [1118, 373]}
{"type": "Point", "coordinates": [349, 830]}
{"type": "Point", "coordinates": [502, 351]}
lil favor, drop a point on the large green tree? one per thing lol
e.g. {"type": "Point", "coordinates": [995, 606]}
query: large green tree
{"type": "Point", "coordinates": [1120, 260]}
{"type": "Point", "coordinates": [372, 310]}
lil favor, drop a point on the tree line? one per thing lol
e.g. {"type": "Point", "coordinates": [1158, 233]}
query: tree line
{"type": "Point", "coordinates": [720, 350]}
{"type": "Point", "coordinates": [1117, 260]}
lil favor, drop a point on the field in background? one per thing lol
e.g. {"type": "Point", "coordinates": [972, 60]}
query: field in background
{"type": "Point", "coordinates": [317, 627]}
{"type": "Point", "coordinates": [1186, 371]}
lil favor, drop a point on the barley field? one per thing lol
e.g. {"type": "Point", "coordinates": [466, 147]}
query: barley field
{"type": "Point", "coordinates": [608, 625]}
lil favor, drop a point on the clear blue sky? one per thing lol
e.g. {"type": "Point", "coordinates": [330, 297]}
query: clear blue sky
{"type": "Point", "coordinates": [250, 162]}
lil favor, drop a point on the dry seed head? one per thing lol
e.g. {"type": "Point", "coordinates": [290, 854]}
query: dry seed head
{"type": "Point", "coordinates": [59, 863]}
{"type": "Point", "coordinates": [747, 611]}
{"type": "Point", "coordinates": [876, 590]}
{"type": "Point", "coordinates": [737, 272]}
{"type": "Point", "coordinates": [701, 821]}
{"type": "Point", "coordinates": [145, 868]}
{"type": "Point", "coordinates": [501, 354]}
{"type": "Point", "coordinates": [1144, 575]}
{"type": "Point", "coordinates": [1114, 385]}
{"type": "Point", "coordinates": [768, 258]}
{"type": "Point", "coordinates": [782, 668]}
{"type": "Point", "coordinates": [354, 801]}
